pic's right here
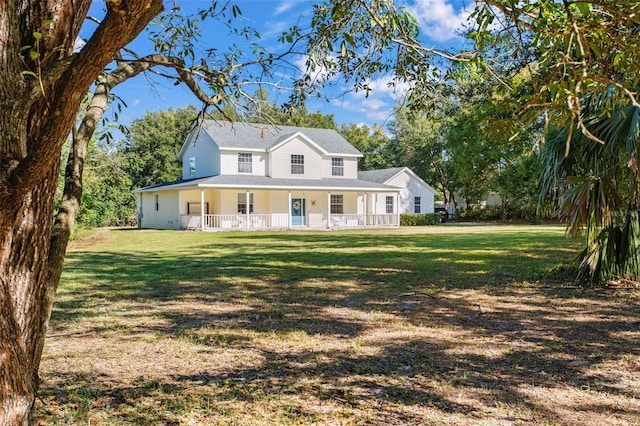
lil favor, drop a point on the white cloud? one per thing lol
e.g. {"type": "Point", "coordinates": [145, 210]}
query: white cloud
{"type": "Point", "coordinates": [373, 104]}
{"type": "Point", "coordinates": [385, 86]}
{"type": "Point", "coordinates": [379, 115]}
{"type": "Point", "coordinates": [360, 105]}
{"type": "Point", "coordinates": [284, 7]}
{"type": "Point", "coordinates": [439, 19]}
{"type": "Point", "coordinates": [349, 106]}
{"type": "Point", "coordinates": [372, 108]}
{"type": "Point", "coordinates": [320, 73]}
{"type": "Point", "coordinates": [274, 29]}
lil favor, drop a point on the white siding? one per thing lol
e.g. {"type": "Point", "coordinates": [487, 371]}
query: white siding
{"type": "Point", "coordinates": [207, 157]}
{"type": "Point", "coordinates": [412, 188]}
{"type": "Point", "coordinates": [281, 160]}
{"type": "Point", "coordinates": [378, 202]}
{"type": "Point", "coordinates": [229, 163]}
{"type": "Point", "coordinates": [167, 216]}
{"type": "Point", "coordinates": [350, 167]}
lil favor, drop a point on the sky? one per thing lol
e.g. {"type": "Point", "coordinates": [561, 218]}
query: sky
{"type": "Point", "coordinates": [439, 21]}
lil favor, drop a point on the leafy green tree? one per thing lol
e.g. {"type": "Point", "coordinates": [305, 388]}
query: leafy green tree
{"type": "Point", "coordinates": [265, 112]}
{"type": "Point", "coordinates": [107, 199]}
{"type": "Point", "coordinates": [572, 49]}
{"type": "Point", "coordinates": [583, 62]}
{"type": "Point", "coordinates": [420, 137]}
{"type": "Point", "coordinates": [376, 147]}
{"type": "Point", "coordinates": [152, 143]}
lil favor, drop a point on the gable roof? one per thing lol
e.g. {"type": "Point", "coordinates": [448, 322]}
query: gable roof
{"type": "Point", "coordinates": [379, 176]}
{"type": "Point", "coordinates": [383, 176]}
{"type": "Point", "coordinates": [265, 137]}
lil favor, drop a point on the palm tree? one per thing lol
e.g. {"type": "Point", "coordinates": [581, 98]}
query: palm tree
{"type": "Point", "coordinates": [592, 171]}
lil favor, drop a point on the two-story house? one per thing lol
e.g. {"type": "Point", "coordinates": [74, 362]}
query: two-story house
{"type": "Point", "coordinates": [256, 176]}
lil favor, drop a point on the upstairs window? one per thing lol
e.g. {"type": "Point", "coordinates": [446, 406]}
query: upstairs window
{"type": "Point", "coordinates": [245, 163]}
{"type": "Point", "coordinates": [417, 204]}
{"type": "Point", "coordinates": [192, 166]}
{"type": "Point", "coordinates": [297, 164]}
{"type": "Point", "coordinates": [337, 204]}
{"type": "Point", "coordinates": [242, 202]}
{"type": "Point", "coordinates": [337, 167]}
{"type": "Point", "coordinates": [389, 205]}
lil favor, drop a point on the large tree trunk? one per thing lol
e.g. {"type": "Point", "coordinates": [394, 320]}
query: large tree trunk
{"type": "Point", "coordinates": [36, 115]}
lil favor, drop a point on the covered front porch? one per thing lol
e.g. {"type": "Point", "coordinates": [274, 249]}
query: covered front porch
{"type": "Point", "coordinates": [217, 209]}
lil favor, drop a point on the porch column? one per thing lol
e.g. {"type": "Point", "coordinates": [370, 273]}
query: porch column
{"type": "Point", "coordinates": [247, 212]}
{"type": "Point", "coordinates": [329, 209]}
{"type": "Point", "coordinates": [364, 210]}
{"type": "Point", "coordinates": [375, 208]}
{"type": "Point", "coordinates": [140, 212]}
{"type": "Point", "coordinates": [202, 209]}
{"type": "Point", "coordinates": [289, 210]}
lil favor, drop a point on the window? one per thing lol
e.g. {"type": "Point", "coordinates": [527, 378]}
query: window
{"type": "Point", "coordinates": [242, 202]}
{"type": "Point", "coordinates": [192, 166]}
{"type": "Point", "coordinates": [157, 202]}
{"type": "Point", "coordinates": [297, 164]}
{"type": "Point", "coordinates": [245, 162]}
{"type": "Point", "coordinates": [337, 204]}
{"type": "Point", "coordinates": [389, 204]}
{"type": "Point", "coordinates": [337, 167]}
{"type": "Point", "coordinates": [194, 208]}
{"type": "Point", "coordinates": [417, 203]}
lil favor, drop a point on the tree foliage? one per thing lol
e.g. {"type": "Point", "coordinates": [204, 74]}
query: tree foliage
{"type": "Point", "coordinates": [572, 49]}
{"type": "Point", "coordinates": [107, 199]}
{"type": "Point", "coordinates": [150, 148]}
{"type": "Point", "coordinates": [597, 188]}
{"type": "Point", "coordinates": [375, 146]}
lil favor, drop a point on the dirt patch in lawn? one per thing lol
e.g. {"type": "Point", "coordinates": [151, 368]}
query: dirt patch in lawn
{"type": "Point", "coordinates": [327, 348]}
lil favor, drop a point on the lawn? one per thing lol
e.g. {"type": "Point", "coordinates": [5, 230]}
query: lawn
{"type": "Point", "coordinates": [442, 325]}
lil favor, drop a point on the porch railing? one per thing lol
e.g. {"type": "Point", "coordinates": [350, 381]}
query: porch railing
{"type": "Point", "coordinates": [281, 220]}
{"type": "Point", "coordinates": [358, 220]}
{"type": "Point", "coordinates": [235, 221]}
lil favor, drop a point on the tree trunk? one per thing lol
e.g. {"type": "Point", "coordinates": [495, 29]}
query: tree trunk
{"type": "Point", "coordinates": [36, 115]}
{"type": "Point", "coordinates": [23, 320]}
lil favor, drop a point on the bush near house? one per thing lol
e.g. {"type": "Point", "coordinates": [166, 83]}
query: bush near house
{"type": "Point", "coordinates": [477, 212]}
{"type": "Point", "coordinates": [419, 219]}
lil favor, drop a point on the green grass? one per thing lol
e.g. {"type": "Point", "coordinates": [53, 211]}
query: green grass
{"type": "Point", "coordinates": [435, 325]}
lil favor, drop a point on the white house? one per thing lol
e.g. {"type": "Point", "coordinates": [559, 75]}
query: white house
{"type": "Point", "coordinates": [256, 176]}
{"type": "Point", "coordinates": [415, 195]}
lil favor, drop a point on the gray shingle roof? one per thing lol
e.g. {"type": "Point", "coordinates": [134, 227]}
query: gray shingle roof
{"type": "Point", "coordinates": [379, 176]}
{"type": "Point", "coordinates": [256, 182]}
{"type": "Point", "coordinates": [238, 135]}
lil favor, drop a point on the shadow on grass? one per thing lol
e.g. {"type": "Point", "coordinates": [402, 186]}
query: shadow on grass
{"type": "Point", "coordinates": [337, 285]}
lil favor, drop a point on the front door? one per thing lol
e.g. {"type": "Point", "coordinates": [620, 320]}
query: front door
{"type": "Point", "coordinates": [297, 211]}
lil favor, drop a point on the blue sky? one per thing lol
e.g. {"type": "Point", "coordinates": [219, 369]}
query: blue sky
{"type": "Point", "coordinates": [438, 19]}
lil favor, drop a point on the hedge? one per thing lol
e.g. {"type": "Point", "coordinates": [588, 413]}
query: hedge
{"type": "Point", "coordinates": [419, 219]}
